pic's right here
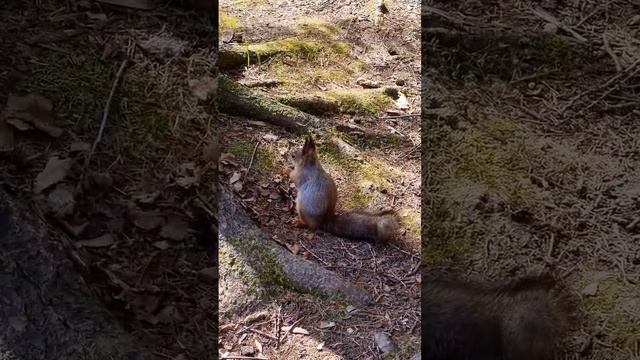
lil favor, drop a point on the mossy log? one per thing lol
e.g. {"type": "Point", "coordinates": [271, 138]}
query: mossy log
{"type": "Point", "coordinates": [275, 265]}
{"type": "Point", "coordinates": [235, 99]}
{"type": "Point", "coordinates": [352, 101]}
{"type": "Point", "coordinates": [46, 309]}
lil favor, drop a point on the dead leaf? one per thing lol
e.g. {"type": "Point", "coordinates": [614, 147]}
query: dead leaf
{"type": "Point", "coordinates": [258, 346]}
{"type": "Point", "coordinates": [7, 140]}
{"type": "Point", "coordinates": [75, 230]}
{"type": "Point", "coordinates": [146, 220]}
{"type": "Point", "coordinates": [320, 346]}
{"type": "Point", "coordinates": [591, 289]}
{"type": "Point", "coordinates": [255, 316]}
{"type": "Point", "coordinates": [299, 330]}
{"type": "Point", "coordinates": [169, 314]}
{"type": "Point", "coordinates": [175, 229]}
{"type": "Point", "coordinates": [327, 324]}
{"type": "Point", "coordinates": [101, 241]}
{"type": "Point", "coordinates": [237, 186]}
{"type": "Point", "coordinates": [295, 248]}
{"type": "Point", "coordinates": [61, 201]}
{"type": "Point", "coordinates": [147, 198]}
{"type": "Point", "coordinates": [351, 308]}
{"type": "Point", "coordinates": [203, 88]}
{"type": "Point", "coordinates": [209, 275]}
{"type": "Point", "coordinates": [235, 177]}
{"type": "Point", "coordinates": [99, 17]}
{"type": "Point", "coordinates": [19, 124]}
{"type": "Point", "coordinates": [34, 110]}
{"type": "Point", "coordinates": [162, 245]}
{"type": "Point", "coordinates": [79, 146]}
{"type": "Point", "coordinates": [54, 172]}
{"type": "Point", "coordinates": [384, 343]}
{"type": "Point", "coordinates": [228, 159]}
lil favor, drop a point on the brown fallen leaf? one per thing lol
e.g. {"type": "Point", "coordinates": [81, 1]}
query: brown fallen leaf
{"type": "Point", "coordinates": [209, 275]}
{"type": "Point", "coordinates": [101, 241]}
{"type": "Point", "coordinates": [211, 153]}
{"type": "Point", "coordinates": [228, 159]}
{"type": "Point", "coordinates": [75, 230]}
{"type": "Point", "coordinates": [169, 315]}
{"type": "Point", "coordinates": [33, 109]}
{"type": "Point", "coordinates": [175, 229]}
{"type": "Point", "coordinates": [235, 177]}
{"type": "Point", "coordinates": [162, 245]}
{"type": "Point", "coordinates": [146, 220]}
{"type": "Point", "coordinates": [54, 172]}
{"type": "Point", "coordinates": [299, 330]}
{"type": "Point", "coordinates": [147, 198]}
{"type": "Point", "coordinates": [258, 346]}
{"type": "Point", "coordinates": [7, 139]}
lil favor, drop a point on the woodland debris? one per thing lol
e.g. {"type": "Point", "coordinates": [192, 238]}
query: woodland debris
{"type": "Point", "coordinates": [31, 112]}
{"type": "Point", "coordinates": [101, 241]}
{"type": "Point", "coordinates": [55, 171]}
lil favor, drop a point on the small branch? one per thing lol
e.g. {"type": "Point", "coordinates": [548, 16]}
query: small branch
{"type": "Point", "coordinates": [550, 18]}
{"type": "Point", "coordinates": [607, 48]}
{"type": "Point", "coordinates": [105, 114]}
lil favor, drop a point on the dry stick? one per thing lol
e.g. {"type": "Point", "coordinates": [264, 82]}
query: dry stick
{"type": "Point", "coordinates": [550, 18]}
{"type": "Point", "coordinates": [607, 48]}
{"type": "Point", "coordinates": [612, 89]}
{"type": "Point", "coordinates": [609, 82]}
{"type": "Point", "coordinates": [252, 156]}
{"type": "Point", "coordinates": [105, 115]}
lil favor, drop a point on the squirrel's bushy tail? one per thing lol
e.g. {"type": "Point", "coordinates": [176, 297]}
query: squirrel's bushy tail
{"type": "Point", "coordinates": [361, 225]}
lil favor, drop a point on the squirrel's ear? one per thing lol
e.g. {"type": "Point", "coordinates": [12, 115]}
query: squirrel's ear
{"type": "Point", "coordinates": [309, 145]}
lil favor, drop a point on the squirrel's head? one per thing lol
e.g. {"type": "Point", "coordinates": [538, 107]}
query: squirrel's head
{"type": "Point", "coordinates": [306, 155]}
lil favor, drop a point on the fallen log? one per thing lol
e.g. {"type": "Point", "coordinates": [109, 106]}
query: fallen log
{"type": "Point", "coordinates": [273, 264]}
{"type": "Point", "coordinates": [235, 99]}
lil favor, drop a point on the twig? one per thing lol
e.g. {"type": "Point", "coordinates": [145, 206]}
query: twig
{"type": "Point", "coordinates": [244, 357]}
{"type": "Point", "coordinates": [252, 156]}
{"type": "Point", "coordinates": [550, 18]}
{"type": "Point", "coordinates": [262, 333]}
{"type": "Point", "coordinates": [314, 255]}
{"type": "Point", "coordinates": [607, 48]}
{"type": "Point", "coordinates": [105, 115]}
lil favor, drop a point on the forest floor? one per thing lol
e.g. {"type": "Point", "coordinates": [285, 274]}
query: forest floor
{"type": "Point", "coordinates": [326, 50]}
{"type": "Point", "coordinates": [532, 149]}
{"type": "Point", "coordinates": [123, 210]}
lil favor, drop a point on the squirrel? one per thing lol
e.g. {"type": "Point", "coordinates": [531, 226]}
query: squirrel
{"type": "Point", "coordinates": [522, 319]}
{"type": "Point", "coordinates": [316, 203]}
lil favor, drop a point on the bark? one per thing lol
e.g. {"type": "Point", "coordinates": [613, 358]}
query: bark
{"type": "Point", "coordinates": [235, 99]}
{"type": "Point", "coordinates": [45, 307]}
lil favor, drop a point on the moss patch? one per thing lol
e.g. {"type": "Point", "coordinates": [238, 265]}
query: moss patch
{"type": "Point", "coordinates": [228, 23]}
{"type": "Point", "coordinates": [142, 109]}
{"type": "Point", "coordinates": [317, 28]}
{"type": "Point", "coordinates": [263, 159]}
{"type": "Point", "coordinates": [447, 238]}
{"type": "Point", "coordinates": [608, 308]}
{"type": "Point", "coordinates": [360, 102]}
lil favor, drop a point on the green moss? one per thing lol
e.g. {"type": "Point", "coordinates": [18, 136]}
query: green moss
{"type": "Point", "coordinates": [228, 23]}
{"type": "Point", "coordinates": [607, 308]}
{"type": "Point", "coordinates": [360, 102]}
{"type": "Point", "coordinates": [141, 111]}
{"type": "Point", "coordinates": [317, 28]}
{"type": "Point", "coordinates": [263, 159]}
{"type": "Point", "coordinates": [298, 47]}
{"type": "Point", "coordinates": [411, 220]}
{"type": "Point", "coordinates": [447, 237]}
{"type": "Point", "coordinates": [553, 50]}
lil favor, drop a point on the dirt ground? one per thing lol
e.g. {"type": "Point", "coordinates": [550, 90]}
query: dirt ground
{"type": "Point", "coordinates": [532, 151]}
{"type": "Point", "coordinates": [130, 209]}
{"type": "Point", "coordinates": [327, 48]}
